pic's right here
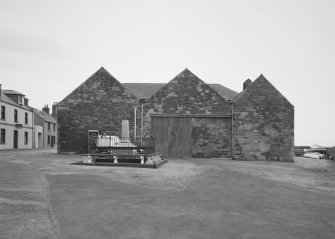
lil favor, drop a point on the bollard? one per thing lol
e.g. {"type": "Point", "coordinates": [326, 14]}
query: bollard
{"type": "Point", "coordinates": [142, 159]}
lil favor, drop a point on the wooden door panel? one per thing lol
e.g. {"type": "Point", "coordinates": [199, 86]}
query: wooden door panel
{"type": "Point", "coordinates": [180, 142]}
{"type": "Point", "coordinates": [160, 129]}
{"type": "Point", "coordinates": [172, 136]}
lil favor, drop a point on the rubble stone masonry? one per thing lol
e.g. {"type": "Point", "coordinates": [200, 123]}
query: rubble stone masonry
{"type": "Point", "coordinates": [211, 137]}
{"type": "Point", "coordinates": [263, 126]}
{"type": "Point", "coordinates": [186, 95]}
{"type": "Point", "coordinates": [100, 103]}
{"type": "Point", "coordinates": [257, 125]}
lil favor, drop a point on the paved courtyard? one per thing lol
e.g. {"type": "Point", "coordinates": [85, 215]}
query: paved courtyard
{"type": "Point", "coordinates": [42, 196]}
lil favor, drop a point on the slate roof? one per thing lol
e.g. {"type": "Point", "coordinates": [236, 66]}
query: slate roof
{"type": "Point", "coordinates": [45, 115]}
{"type": "Point", "coordinates": [225, 92]}
{"type": "Point", "coordinates": [145, 90]}
{"type": "Point", "coordinates": [12, 92]}
{"type": "Point", "coordinates": [6, 99]}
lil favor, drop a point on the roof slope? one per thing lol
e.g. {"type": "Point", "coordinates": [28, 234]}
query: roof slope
{"type": "Point", "coordinates": [6, 99]}
{"type": "Point", "coordinates": [12, 92]}
{"type": "Point", "coordinates": [44, 115]}
{"type": "Point", "coordinates": [145, 90]}
{"type": "Point", "coordinates": [225, 92]}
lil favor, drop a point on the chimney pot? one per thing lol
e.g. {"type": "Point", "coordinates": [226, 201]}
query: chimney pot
{"type": "Point", "coordinates": [246, 83]}
{"type": "Point", "coordinates": [46, 109]}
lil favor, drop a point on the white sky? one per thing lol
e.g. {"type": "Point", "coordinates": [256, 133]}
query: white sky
{"type": "Point", "coordinates": [48, 48]}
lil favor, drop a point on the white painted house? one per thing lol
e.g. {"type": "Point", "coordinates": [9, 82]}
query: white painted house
{"type": "Point", "coordinates": [16, 121]}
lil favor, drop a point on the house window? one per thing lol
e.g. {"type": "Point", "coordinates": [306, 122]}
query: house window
{"type": "Point", "coordinates": [49, 126]}
{"type": "Point", "coordinates": [15, 115]}
{"type": "Point", "coordinates": [3, 112]}
{"type": "Point", "coordinates": [26, 118]}
{"type": "Point", "coordinates": [3, 136]}
{"type": "Point", "coordinates": [25, 137]}
{"type": "Point", "coordinates": [48, 139]}
{"type": "Point", "coordinates": [54, 127]}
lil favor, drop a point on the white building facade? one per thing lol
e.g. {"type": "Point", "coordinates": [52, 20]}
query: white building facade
{"type": "Point", "coordinates": [16, 121]}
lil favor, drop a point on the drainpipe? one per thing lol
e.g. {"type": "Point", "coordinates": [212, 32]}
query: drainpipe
{"type": "Point", "coordinates": [33, 130]}
{"type": "Point", "coordinates": [232, 128]}
{"type": "Point", "coordinates": [142, 103]}
{"type": "Point", "coordinates": [135, 124]}
{"type": "Point", "coordinates": [57, 128]}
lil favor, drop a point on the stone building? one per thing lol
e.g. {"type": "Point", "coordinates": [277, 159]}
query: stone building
{"type": "Point", "coordinates": [101, 102]}
{"type": "Point", "coordinates": [263, 125]}
{"type": "Point", "coordinates": [186, 117]}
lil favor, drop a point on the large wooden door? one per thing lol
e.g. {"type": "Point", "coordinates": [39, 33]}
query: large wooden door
{"type": "Point", "coordinates": [172, 136]}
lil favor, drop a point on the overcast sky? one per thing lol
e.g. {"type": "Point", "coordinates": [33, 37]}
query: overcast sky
{"type": "Point", "coordinates": [48, 48]}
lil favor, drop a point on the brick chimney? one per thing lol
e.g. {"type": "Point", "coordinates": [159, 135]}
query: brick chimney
{"type": "Point", "coordinates": [246, 83]}
{"type": "Point", "coordinates": [26, 101]}
{"type": "Point", "coordinates": [46, 109]}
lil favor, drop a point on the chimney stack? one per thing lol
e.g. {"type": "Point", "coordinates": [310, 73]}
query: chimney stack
{"type": "Point", "coordinates": [26, 101]}
{"type": "Point", "coordinates": [46, 109]}
{"type": "Point", "coordinates": [54, 110]}
{"type": "Point", "coordinates": [246, 83]}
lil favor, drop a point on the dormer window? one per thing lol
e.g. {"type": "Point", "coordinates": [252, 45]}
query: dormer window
{"type": "Point", "coordinates": [19, 100]}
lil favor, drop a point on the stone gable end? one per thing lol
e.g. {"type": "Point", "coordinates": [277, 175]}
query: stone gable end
{"type": "Point", "coordinates": [100, 87]}
{"type": "Point", "coordinates": [100, 103]}
{"type": "Point", "coordinates": [263, 126]}
{"type": "Point", "coordinates": [186, 94]}
{"type": "Point", "coordinates": [261, 90]}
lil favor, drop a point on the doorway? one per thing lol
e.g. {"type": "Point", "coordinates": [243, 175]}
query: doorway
{"type": "Point", "coordinates": [40, 140]}
{"type": "Point", "coordinates": [52, 141]}
{"type": "Point", "coordinates": [16, 138]}
{"type": "Point", "coordinates": [172, 136]}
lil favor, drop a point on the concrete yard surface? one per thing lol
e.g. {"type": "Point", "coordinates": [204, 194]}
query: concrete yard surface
{"type": "Point", "coordinates": [42, 196]}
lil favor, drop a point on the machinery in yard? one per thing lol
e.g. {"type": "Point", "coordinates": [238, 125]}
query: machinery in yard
{"type": "Point", "coordinates": [110, 149]}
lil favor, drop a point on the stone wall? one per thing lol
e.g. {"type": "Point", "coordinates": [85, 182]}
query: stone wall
{"type": "Point", "coordinates": [100, 103]}
{"type": "Point", "coordinates": [186, 94]}
{"type": "Point", "coordinates": [263, 124]}
{"type": "Point", "coordinates": [211, 137]}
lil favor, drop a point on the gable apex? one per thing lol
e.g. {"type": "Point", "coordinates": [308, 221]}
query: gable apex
{"type": "Point", "coordinates": [100, 75]}
{"type": "Point", "coordinates": [185, 79]}
{"type": "Point", "coordinates": [259, 80]}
